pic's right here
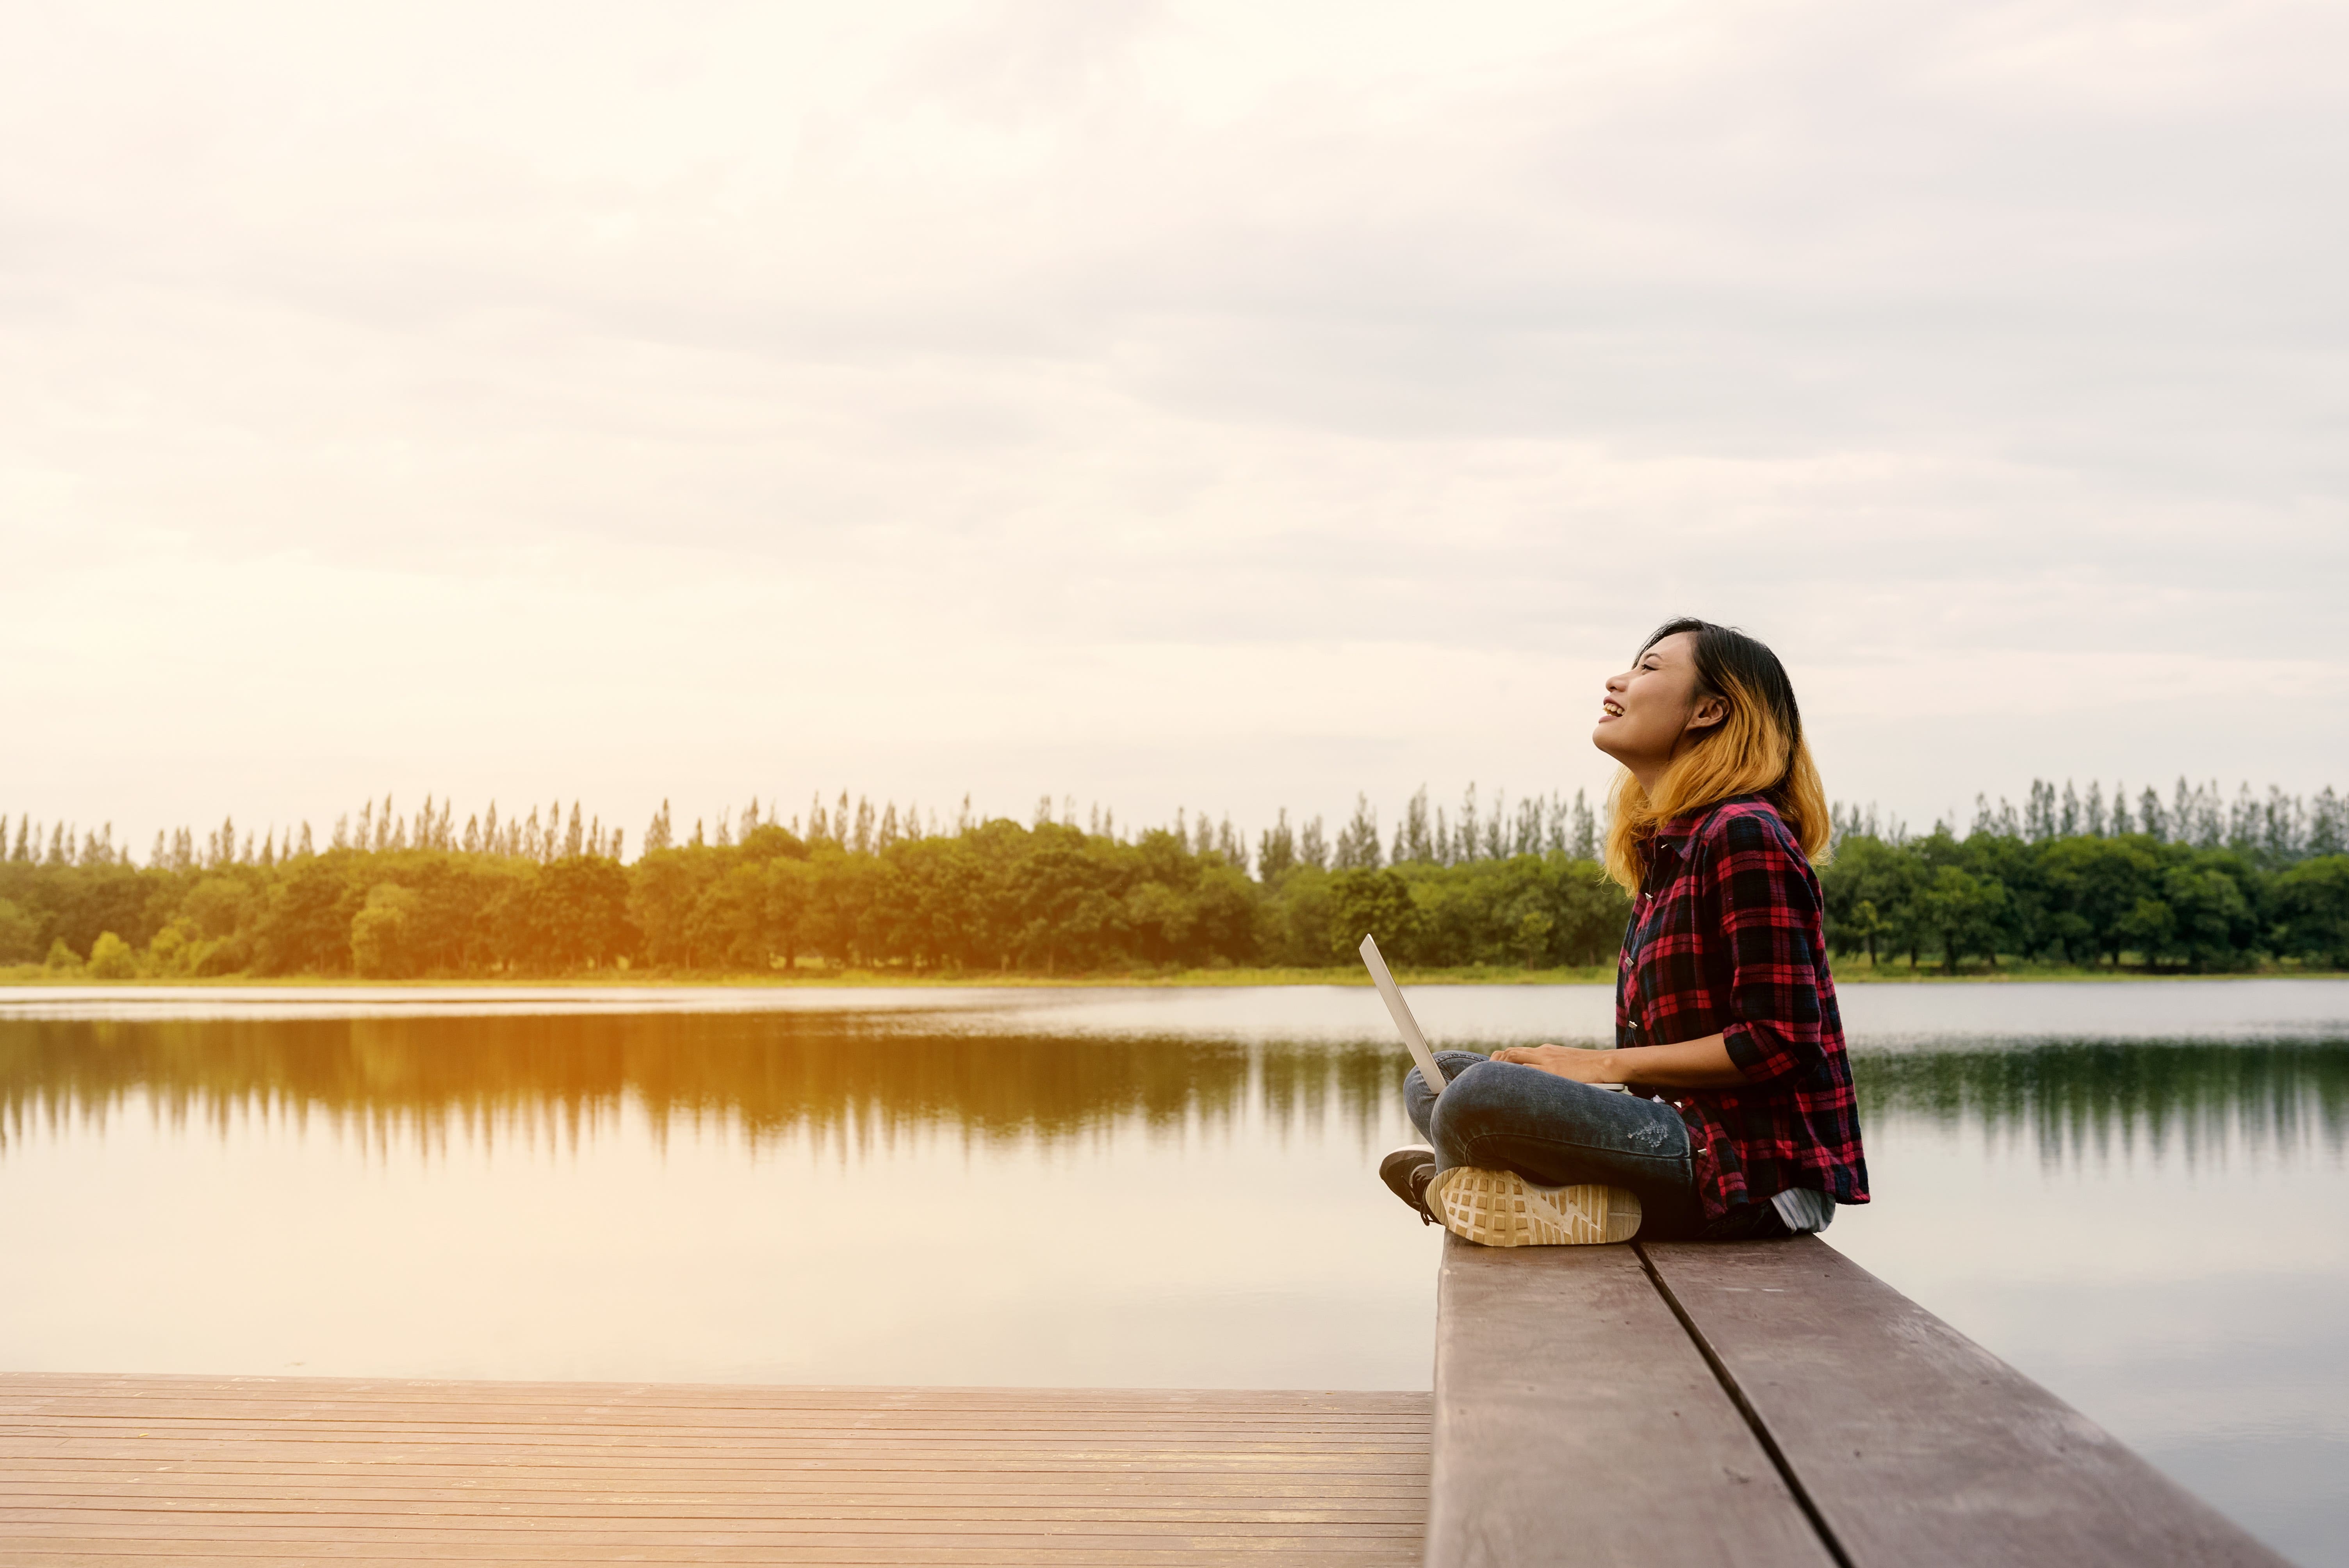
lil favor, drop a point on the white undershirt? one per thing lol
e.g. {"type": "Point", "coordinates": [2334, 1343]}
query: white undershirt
{"type": "Point", "coordinates": [1804, 1209]}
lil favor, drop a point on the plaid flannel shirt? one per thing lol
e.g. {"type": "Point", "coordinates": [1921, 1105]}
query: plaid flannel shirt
{"type": "Point", "coordinates": [1727, 938]}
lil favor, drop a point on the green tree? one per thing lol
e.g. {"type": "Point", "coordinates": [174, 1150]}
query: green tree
{"type": "Point", "coordinates": [305, 927]}
{"type": "Point", "coordinates": [110, 958]}
{"type": "Point", "coordinates": [1375, 903]}
{"type": "Point", "coordinates": [1961, 912]}
{"type": "Point", "coordinates": [2312, 906]}
{"type": "Point", "coordinates": [578, 914]}
{"type": "Point", "coordinates": [20, 935]}
{"type": "Point", "coordinates": [379, 935]}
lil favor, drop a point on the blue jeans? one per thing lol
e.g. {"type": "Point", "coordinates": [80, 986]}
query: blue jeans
{"type": "Point", "coordinates": [1555, 1132]}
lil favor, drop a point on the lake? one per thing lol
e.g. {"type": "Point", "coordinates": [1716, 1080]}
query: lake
{"type": "Point", "coordinates": [2135, 1192]}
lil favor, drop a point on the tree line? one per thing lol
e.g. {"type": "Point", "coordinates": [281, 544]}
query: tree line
{"type": "Point", "coordinates": [2192, 880]}
{"type": "Point", "coordinates": [2196, 882]}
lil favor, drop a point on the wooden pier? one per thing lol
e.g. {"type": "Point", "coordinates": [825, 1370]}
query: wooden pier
{"type": "Point", "coordinates": [1771, 1404]}
{"type": "Point", "coordinates": [1768, 1405]}
{"type": "Point", "coordinates": [138, 1472]}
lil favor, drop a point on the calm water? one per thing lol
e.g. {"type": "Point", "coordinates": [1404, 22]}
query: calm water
{"type": "Point", "coordinates": [2135, 1192]}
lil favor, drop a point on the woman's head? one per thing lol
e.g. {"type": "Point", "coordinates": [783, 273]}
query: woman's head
{"type": "Point", "coordinates": [1705, 713]}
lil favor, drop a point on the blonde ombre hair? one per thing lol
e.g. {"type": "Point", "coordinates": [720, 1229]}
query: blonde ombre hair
{"type": "Point", "coordinates": [1756, 750]}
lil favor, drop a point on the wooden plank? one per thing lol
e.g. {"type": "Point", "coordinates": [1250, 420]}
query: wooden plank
{"type": "Point", "coordinates": [1574, 1417]}
{"type": "Point", "coordinates": [853, 1400]}
{"type": "Point", "coordinates": [132, 1471]}
{"type": "Point", "coordinates": [1916, 1445]}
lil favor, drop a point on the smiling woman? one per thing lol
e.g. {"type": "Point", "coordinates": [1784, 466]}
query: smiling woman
{"type": "Point", "coordinates": [1722, 995]}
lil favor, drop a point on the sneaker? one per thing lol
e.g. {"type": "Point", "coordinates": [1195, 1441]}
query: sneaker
{"type": "Point", "coordinates": [1502, 1209]}
{"type": "Point", "coordinates": [1406, 1172]}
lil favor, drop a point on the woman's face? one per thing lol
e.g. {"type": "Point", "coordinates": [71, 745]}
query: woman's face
{"type": "Point", "coordinates": [1651, 706]}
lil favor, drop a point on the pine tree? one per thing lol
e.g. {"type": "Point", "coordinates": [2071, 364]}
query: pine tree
{"type": "Point", "coordinates": [657, 836]}
{"type": "Point", "coordinates": [574, 836]}
{"type": "Point", "coordinates": [2328, 824]}
{"type": "Point", "coordinates": [864, 822]}
{"type": "Point", "coordinates": [1585, 845]}
{"type": "Point", "coordinates": [305, 850]}
{"type": "Point", "coordinates": [1313, 846]}
{"type": "Point", "coordinates": [1358, 842]}
{"type": "Point", "coordinates": [1527, 837]}
{"type": "Point", "coordinates": [24, 827]}
{"type": "Point", "coordinates": [1415, 836]}
{"type": "Point", "coordinates": [157, 859]}
{"type": "Point", "coordinates": [1275, 848]}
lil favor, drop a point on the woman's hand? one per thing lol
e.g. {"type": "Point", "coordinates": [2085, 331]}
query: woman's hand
{"type": "Point", "coordinates": [1566, 1061]}
{"type": "Point", "coordinates": [1687, 1064]}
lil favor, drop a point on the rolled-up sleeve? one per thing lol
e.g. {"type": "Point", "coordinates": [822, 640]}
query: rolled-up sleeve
{"type": "Point", "coordinates": [1769, 908]}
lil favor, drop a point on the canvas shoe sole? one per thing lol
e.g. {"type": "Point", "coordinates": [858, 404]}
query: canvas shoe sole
{"type": "Point", "coordinates": [1502, 1209]}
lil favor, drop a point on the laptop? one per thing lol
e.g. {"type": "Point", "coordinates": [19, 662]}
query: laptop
{"type": "Point", "coordinates": [1392, 994]}
{"type": "Point", "coordinates": [1407, 1027]}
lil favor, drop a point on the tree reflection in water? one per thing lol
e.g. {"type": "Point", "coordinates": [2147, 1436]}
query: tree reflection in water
{"type": "Point", "coordinates": [868, 1078]}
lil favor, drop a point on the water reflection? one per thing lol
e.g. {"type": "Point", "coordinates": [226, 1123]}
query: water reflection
{"type": "Point", "coordinates": [2102, 1100]}
{"type": "Point", "coordinates": [774, 1076]}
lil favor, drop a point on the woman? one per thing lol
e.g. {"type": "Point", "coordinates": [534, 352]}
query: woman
{"type": "Point", "coordinates": [1725, 1109]}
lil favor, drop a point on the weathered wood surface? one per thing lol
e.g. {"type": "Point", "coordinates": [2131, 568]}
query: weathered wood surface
{"type": "Point", "coordinates": [139, 1470]}
{"type": "Point", "coordinates": [1915, 1444]}
{"type": "Point", "coordinates": [1575, 1422]}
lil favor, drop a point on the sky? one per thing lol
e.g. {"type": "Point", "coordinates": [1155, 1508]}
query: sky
{"type": "Point", "coordinates": [1225, 407]}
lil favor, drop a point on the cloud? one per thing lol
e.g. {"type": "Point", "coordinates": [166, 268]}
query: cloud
{"type": "Point", "coordinates": [1183, 403]}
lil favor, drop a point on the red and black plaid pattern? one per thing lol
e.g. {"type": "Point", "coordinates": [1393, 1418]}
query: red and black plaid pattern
{"type": "Point", "coordinates": [1727, 938]}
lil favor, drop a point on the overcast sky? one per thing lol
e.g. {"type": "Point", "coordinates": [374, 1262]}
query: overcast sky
{"type": "Point", "coordinates": [1225, 405]}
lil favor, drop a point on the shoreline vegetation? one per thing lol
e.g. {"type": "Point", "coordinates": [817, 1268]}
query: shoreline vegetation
{"type": "Point", "coordinates": [2069, 887]}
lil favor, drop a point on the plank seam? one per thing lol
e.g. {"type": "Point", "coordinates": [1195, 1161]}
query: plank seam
{"type": "Point", "coordinates": [1729, 1386]}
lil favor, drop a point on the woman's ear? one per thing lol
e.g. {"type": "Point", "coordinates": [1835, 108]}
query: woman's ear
{"type": "Point", "coordinates": [1708, 712]}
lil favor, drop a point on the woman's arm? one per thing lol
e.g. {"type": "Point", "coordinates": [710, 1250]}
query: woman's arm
{"type": "Point", "coordinates": [1702, 1063]}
